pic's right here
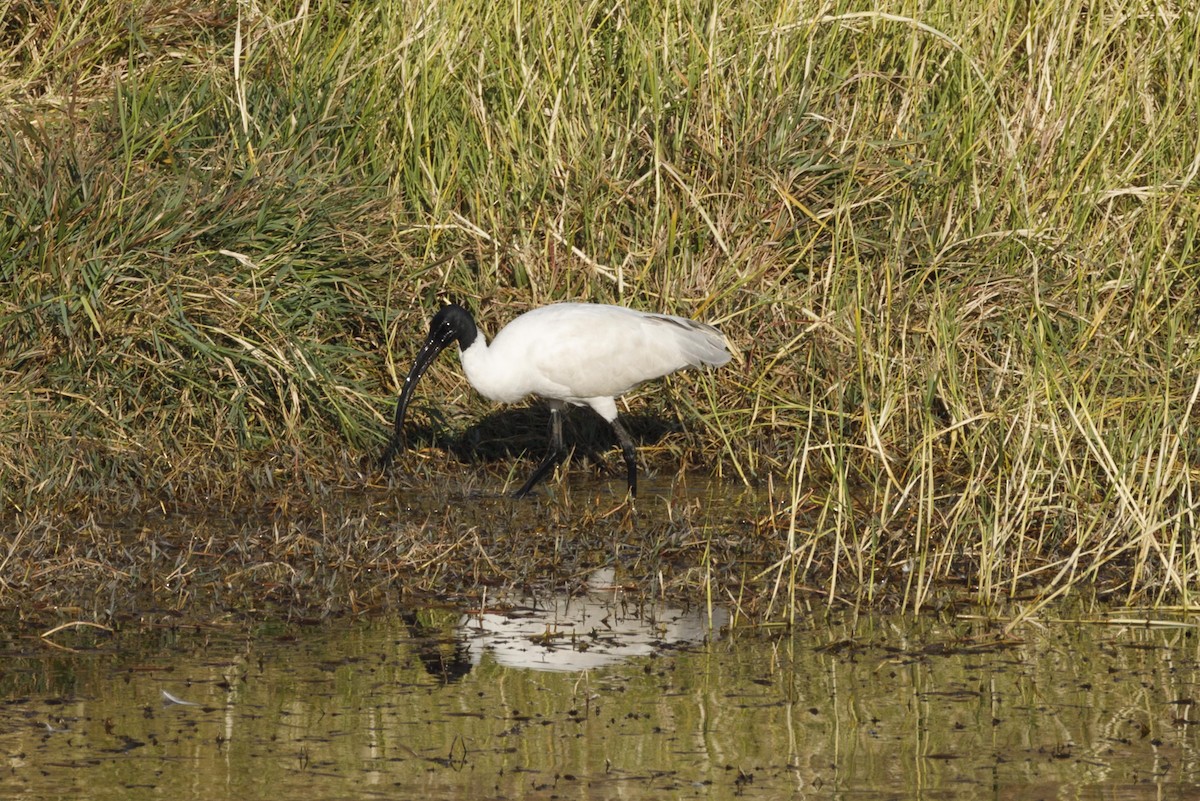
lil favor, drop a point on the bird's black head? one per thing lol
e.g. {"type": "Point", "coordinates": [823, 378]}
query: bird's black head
{"type": "Point", "coordinates": [451, 323]}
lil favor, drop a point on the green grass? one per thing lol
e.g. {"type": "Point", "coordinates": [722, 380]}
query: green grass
{"type": "Point", "coordinates": [956, 246]}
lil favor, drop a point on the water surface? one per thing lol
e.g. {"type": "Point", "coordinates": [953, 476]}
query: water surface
{"type": "Point", "coordinates": [451, 704]}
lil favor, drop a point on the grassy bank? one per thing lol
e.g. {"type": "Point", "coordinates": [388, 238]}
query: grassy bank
{"type": "Point", "coordinates": [955, 245]}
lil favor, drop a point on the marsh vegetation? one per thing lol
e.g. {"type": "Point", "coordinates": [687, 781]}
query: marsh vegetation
{"type": "Point", "coordinates": [955, 244]}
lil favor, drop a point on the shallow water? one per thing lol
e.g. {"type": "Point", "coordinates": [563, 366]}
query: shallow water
{"type": "Point", "coordinates": [598, 697]}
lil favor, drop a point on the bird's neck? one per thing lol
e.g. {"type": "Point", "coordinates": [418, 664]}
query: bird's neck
{"type": "Point", "coordinates": [490, 379]}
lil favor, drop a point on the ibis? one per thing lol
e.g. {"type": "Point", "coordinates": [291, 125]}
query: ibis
{"type": "Point", "coordinates": [570, 354]}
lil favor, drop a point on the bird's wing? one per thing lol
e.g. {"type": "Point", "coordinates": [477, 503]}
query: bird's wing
{"type": "Point", "coordinates": [581, 351]}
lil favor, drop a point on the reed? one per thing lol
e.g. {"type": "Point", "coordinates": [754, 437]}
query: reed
{"type": "Point", "coordinates": [955, 245]}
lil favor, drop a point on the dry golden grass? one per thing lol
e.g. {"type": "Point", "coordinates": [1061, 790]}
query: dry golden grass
{"type": "Point", "coordinates": [956, 247]}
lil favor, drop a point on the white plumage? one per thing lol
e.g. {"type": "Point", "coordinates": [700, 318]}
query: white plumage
{"type": "Point", "coordinates": [583, 354]}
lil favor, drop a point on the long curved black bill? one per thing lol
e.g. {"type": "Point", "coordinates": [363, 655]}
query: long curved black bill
{"type": "Point", "coordinates": [429, 351]}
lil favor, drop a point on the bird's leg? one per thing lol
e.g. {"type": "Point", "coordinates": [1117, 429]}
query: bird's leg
{"type": "Point", "coordinates": [630, 455]}
{"type": "Point", "coordinates": [557, 451]}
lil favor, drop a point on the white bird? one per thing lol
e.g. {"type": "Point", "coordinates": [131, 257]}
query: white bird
{"type": "Point", "coordinates": [582, 354]}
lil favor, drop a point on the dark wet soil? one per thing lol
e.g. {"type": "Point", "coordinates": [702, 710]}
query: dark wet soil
{"type": "Point", "coordinates": [445, 532]}
{"type": "Point", "coordinates": [307, 556]}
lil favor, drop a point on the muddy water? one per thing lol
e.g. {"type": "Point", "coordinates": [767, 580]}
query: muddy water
{"type": "Point", "coordinates": [599, 698]}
